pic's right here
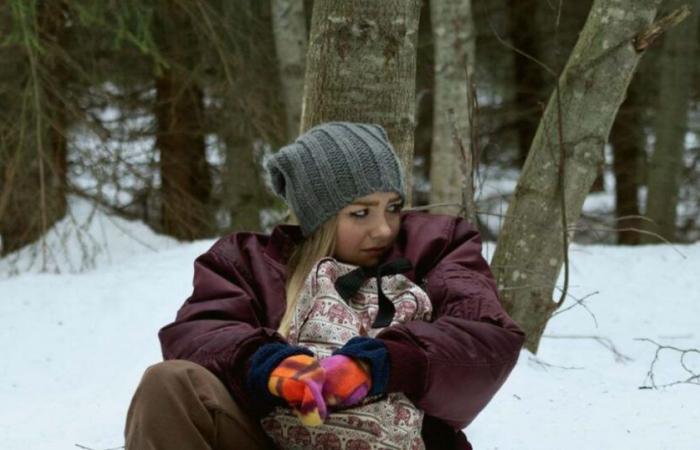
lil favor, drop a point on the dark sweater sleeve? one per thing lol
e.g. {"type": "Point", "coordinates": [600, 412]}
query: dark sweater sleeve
{"type": "Point", "coordinates": [219, 326]}
{"type": "Point", "coordinates": [453, 366]}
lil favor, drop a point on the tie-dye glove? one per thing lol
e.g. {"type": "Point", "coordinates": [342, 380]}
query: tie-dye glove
{"type": "Point", "coordinates": [374, 356]}
{"type": "Point", "coordinates": [299, 380]}
{"type": "Point", "coordinates": [347, 381]}
{"type": "Point", "coordinates": [303, 394]}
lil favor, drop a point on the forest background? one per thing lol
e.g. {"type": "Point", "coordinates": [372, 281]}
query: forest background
{"type": "Point", "coordinates": [131, 135]}
{"type": "Point", "coordinates": [161, 111]}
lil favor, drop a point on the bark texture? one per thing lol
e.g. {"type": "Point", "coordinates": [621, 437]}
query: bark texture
{"type": "Point", "coordinates": [531, 249]}
{"type": "Point", "coordinates": [289, 28]}
{"type": "Point", "coordinates": [454, 38]}
{"type": "Point", "coordinates": [361, 67]}
{"type": "Point", "coordinates": [666, 164]}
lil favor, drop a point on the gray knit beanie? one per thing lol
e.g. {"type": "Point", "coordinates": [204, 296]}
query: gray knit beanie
{"type": "Point", "coordinates": [331, 165]}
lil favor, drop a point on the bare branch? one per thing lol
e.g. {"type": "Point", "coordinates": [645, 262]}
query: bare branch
{"type": "Point", "coordinates": [579, 302]}
{"type": "Point", "coordinates": [640, 231]}
{"type": "Point", "coordinates": [693, 378]}
{"type": "Point", "coordinates": [468, 209]}
{"type": "Point", "coordinates": [604, 341]}
{"type": "Point", "coordinates": [522, 53]}
{"type": "Point", "coordinates": [546, 365]}
{"type": "Point", "coordinates": [647, 37]}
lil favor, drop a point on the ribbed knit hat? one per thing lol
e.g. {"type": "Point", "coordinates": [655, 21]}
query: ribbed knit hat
{"type": "Point", "coordinates": [331, 165]}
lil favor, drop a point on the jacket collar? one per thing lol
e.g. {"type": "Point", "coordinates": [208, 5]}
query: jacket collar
{"type": "Point", "coordinates": [282, 239]}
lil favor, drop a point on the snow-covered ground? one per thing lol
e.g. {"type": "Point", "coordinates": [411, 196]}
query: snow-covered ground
{"type": "Point", "coordinates": [75, 344]}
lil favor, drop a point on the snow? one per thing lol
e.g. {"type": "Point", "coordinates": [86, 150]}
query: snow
{"type": "Point", "coordinates": [575, 393]}
{"type": "Point", "coordinates": [75, 343]}
{"type": "Point", "coordinates": [85, 239]}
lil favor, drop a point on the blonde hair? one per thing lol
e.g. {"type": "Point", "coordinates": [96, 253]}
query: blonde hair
{"type": "Point", "coordinates": [320, 244]}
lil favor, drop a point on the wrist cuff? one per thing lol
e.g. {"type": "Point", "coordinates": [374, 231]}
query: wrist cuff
{"type": "Point", "coordinates": [408, 368]}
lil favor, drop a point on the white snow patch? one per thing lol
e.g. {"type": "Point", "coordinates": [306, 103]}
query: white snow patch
{"type": "Point", "coordinates": [75, 346]}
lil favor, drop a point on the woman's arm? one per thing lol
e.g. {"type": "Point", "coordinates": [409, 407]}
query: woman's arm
{"type": "Point", "coordinates": [219, 326]}
{"type": "Point", "coordinates": [453, 366]}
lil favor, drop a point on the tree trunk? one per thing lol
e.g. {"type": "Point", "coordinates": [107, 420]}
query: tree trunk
{"type": "Point", "coordinates": [361, 67]}
{"type": "Point", "coordinates": [289, 27]}
{"type": "Point", "coordinates": [251, 114]}
{"type": "Point", "coordinates": [531, 247]}
{"type": "Point", "coordinates": [559, 26]}
{"type": "Point", "coordinates": [53, 32]}
{"type": "Point", "coordinates": [454, 39]}
{"type": "Point", "coordinates": [244, 198]}
{"type": "Point", "coordinates": [185, 178]}
{"type": "Point", "coordinates": [529, 76]}
{"type": "Point", "coordinates": [628, 140]}
{"type": "Point", "coordinates": [666, 165]}
{"type": "Point", "coordinates": [423, 136]}
{"type": "Point", "coordinates": [186, 186]}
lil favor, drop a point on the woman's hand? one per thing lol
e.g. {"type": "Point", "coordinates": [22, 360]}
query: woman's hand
{"type": "Point", "coordinates": [347, 381]}
{"type": "Point", "coordinates": [299, 380]}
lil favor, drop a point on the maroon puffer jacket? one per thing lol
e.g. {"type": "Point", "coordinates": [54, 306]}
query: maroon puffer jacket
{"type": "Point", "coordinates": [450, 367]}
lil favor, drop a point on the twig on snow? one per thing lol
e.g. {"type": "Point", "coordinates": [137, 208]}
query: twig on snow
{"type": "Point", "coordinates": [693, 378]}
{"type": "Point", "coordinates": [604, 341]}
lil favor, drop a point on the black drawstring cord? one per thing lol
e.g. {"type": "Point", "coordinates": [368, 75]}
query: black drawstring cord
{"type": "Point", "coordinates": [347, 285]}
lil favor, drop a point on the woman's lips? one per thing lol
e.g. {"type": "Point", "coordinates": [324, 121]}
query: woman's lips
{"type": "Point", "coordinates": [374, 250]}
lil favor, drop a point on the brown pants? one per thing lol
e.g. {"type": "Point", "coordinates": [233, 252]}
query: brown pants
{"type": "Point", "coordinates": [181, 405]}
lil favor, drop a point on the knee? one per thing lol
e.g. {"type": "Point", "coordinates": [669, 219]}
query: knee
{"type": "Point", "coordinates": [167, 370]}
{"type": "Point", "coordinates": [161, 378]}
{"type": "Point", "coordinates": [163, 392]}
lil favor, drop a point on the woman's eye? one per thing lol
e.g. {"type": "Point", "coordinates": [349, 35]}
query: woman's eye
{"type": "Point", "coordinates": [359, 214]}
{"type": "Point", "coordinates": [396, 207]}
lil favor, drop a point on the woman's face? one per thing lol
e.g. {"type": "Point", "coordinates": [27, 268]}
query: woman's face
{"type": "Point", "coordinates": [367, 228]}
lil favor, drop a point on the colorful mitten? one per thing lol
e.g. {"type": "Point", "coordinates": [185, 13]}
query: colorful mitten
{"type": "Point", "coordinates": [374, 353]}
{"type": "Point", "coordinates": [299, 380]}
{"type": "Point", "coordinates": [347, 381]}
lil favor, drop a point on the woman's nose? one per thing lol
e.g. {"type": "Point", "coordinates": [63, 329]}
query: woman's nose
{"type": "Point", "coordinates": [381, 230]}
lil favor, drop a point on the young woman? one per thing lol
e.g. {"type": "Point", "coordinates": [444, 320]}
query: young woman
{"type": "Point", "coordinates": [228, 362]}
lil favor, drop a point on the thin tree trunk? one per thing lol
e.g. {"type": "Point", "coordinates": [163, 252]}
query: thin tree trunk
{"type": "Point", "coordinates": [251, 112]}
{"type": "Point", "coordinates": [289, 28]}
{"type": "Point", "coordinates": [243, 197]}
{"type": "Point", "coordinates": [52, 32]}
{"type": "Point", "coordinates": [184, 171]}
{"type": "Point", "coordinates": [361, 67]}
{"type": "Point", "coordinates": [423, 136]}
{"type": "Point", "coordinates": [666, 165]}
{"type": "Point", "coordinates": [628, 139]}
{"type": "Point", "coordinates": [186, 186]}
{"type": "Point", "coordinates": [529, 76]}
{"type": "Point", "coordinates": [454, 39]}
{"type": "Point", "coordinates": [531, 247]}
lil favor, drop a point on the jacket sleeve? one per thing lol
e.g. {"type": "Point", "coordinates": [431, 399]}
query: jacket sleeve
{"type": "Point", "coordinates": [452, 367]}
{"type": "Point", "coordinates": [219, 326]}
